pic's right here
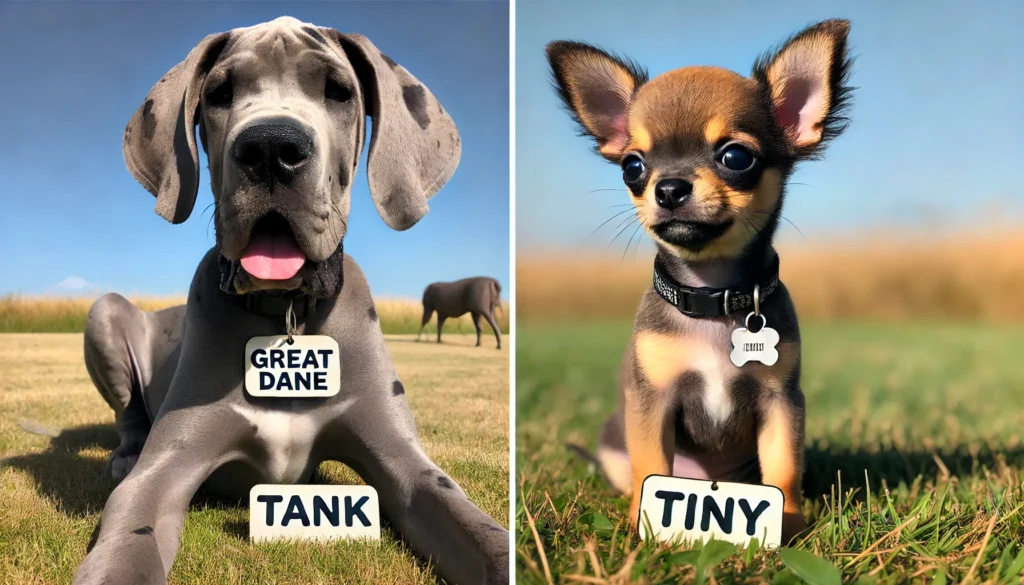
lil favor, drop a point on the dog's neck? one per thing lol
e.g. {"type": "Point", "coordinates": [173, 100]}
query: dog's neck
{"type": "Point", "coordinates": [720, 272]}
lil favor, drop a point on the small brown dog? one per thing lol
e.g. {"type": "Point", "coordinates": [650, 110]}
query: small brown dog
{"type": "Point", "coordinates": [706, 154]}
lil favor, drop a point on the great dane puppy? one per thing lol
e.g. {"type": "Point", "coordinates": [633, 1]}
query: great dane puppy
{"type": "Point", "coordinates": [478, 296]}
{"type": "Point", "coordinates": [281, 109]}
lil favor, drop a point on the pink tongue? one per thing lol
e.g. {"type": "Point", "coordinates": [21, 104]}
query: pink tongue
{"type": "Point", "coordinates": [272, 257]}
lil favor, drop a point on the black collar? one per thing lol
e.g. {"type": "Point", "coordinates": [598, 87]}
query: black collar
{"type": "Point", "coordinates": [275, 306]}
{"type": "Point", "coordinates": [706, 301]}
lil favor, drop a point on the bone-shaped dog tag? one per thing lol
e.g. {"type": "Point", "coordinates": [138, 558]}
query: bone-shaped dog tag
{"type": "Point", "coordinates": [748, 346]}
{"type": "Point", "coordinates": [297, 366]}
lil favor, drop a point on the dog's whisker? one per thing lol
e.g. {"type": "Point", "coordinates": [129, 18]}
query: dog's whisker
{"type": "Point", "coordinates": [633, 235]}
{"type": "Point", "coordinates": [626, 225]}
{"type": "Point", "coordinates": [604, 223]}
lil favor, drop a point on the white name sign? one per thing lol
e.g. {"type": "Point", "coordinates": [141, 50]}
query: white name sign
{"type": "Point", "coordinates": [313, 512]}
{"type": "Point", "coordinates": [308, 367]}
{"type": "Point", "coordinates": [692, 510]}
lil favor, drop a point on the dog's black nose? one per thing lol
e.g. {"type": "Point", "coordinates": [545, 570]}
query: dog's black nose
{"type": "Point", "coordinates": [671, 193]}
{"type": "Point", "coordinates": [273, 149]}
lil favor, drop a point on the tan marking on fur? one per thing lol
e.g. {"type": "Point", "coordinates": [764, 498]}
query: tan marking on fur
{"type": "Point", "coordinates": [715, 130]}
{"type": "Point", "coordinates": [649, 448]}
{"type": "Point", "coordinates": [641, 139]}
{"type": "Point", "coordinates": [781, 458]}
{"type": "Point", "coordinates": [663, 358]}
{"type": "Point", "coordinates": [809, 59]}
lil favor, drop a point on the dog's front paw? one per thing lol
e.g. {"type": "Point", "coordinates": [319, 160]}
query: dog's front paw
{"type": "Point", "coordinates": [120, 463]}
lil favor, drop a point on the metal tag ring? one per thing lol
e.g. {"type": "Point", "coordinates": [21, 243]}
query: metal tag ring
{"type": "Point", "coordinates": [757, 299]}
{"type": "Point", "coordinates": [746, 322]}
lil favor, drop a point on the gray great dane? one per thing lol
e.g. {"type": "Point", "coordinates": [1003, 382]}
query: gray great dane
{"type": "Point", "coordinates": [281, 109]}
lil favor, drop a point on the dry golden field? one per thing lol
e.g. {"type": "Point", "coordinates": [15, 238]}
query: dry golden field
{"type": "Point", "coordinates": [977, 277]}
{"type": "Point", "coordinates": [67, 315]}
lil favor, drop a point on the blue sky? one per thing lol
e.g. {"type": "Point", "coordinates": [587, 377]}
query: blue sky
{"type": "Point", "coordinates": [937, 119]}
{"type": "Point", "coordinates": [74, 73]}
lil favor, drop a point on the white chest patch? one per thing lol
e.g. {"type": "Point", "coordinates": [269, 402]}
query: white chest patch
{"type": "Point", "coordinates": [287, 438]}
{"type": "Point", "coordinates": [713, 369]}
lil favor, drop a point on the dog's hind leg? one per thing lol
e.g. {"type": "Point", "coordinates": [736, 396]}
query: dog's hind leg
{"type": "Point", "coordinates": [612, 458]}
{"type": "Point", "coordinates": [119, 356]}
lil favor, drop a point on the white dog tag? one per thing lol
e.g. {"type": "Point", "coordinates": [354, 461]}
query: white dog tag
{"type": "Point", "coordinates": [313, 512]}
{"type": "Point", "coordinates": [748, 346]}
{"type": "Point", "coordinates": [309, 366]}
{"type": "Point", "coordinates": [677, 509]}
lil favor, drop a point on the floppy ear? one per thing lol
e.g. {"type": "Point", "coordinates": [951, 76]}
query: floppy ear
{"type": "Point", "coordinates": [597, 89]}
{"type": "Point", "coordinates": [160, 143]}
{"type": "Point", "coordinates": [805, 82]}
{"type": "Point", "coordinates": [414, 148]}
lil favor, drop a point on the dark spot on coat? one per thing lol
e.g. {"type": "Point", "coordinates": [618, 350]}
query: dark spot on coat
{"type": "Point", "coordinates": [416, 101]}
{"type": "Point", "coordinates": [397, 389]}
{"type": "Point", "coordinates": [143, 530]}
{"type": "Point", "coordinates": [391, 62]}
{"type": "Point", "coordinates": [445, 482]}
{"type": "Point", "coordinates": [148, 120]}
{"type": "Point", "coordinates": [316, 35]}
{"type": "Point", "coordinates": [372, 312]}
{"type": "Point", "coordinates": [427, 472]}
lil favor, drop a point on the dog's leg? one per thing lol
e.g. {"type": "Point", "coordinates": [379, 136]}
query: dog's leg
{"type": "Point", "coordinates": [494, 325]}
{"type": "Point", "coordinates": [430, 511]}
{"type": "Point", "coordinates": [440, 323]}
{"type": "Point", "coordinates": [121, 355]}
{"type": "Point", "coordinates": [650, 439]}
{"type": "Point", "coordinates": [142, 519]}
{"type": "Point", "coordinates": [780, 450]}
{"type": "Point", "coordinates": [476, 323]}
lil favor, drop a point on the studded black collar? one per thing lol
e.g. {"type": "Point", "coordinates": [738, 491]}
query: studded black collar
{"type": "Point", "coordinates": [708, 301]}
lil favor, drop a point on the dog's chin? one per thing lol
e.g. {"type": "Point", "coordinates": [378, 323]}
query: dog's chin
{"type": "Point", "coordinates": [690, 235]}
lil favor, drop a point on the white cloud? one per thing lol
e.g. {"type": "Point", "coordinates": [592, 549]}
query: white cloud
{"type": "Point", "coordinates": [75, 285]}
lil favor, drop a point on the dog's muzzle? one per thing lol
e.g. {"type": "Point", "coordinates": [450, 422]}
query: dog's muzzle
{"type": "Point", "coordinates": [274, 150]}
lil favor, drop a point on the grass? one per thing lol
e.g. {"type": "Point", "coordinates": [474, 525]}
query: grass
{"type": "Point", "coordinates": [914, 461]}
{"type": "Point", "coordinates": [52, 490]}
{"type": "Point", "coordinates": [67, 315]}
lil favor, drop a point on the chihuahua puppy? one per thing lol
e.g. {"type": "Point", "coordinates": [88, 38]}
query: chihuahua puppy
{"type": "Point", "coordinates": [705, 154]}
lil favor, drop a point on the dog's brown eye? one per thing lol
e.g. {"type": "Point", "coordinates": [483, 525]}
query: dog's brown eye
{"type": "Point", "coordinates": [220, 95]}
{"type": "Point", "coordinates": [736, 158]}
{"type": "Point", "coordinates": [336, 91]}
{"type": "Point", "coordinates": [632, 168]}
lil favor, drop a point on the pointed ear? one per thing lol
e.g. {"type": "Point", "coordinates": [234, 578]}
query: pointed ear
{"type": "Point", "coordinates": [160, 140]}
{"type": "Point", "coordinates": [597, 89]}
{"type": "Point", "coordinates": [415, 146]}
{"type": "Point", "coordinates": [805, 82]}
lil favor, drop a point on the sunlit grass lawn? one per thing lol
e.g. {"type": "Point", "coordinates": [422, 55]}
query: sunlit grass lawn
{"type": "Point", "coordinates": [913, 465]}
{"type": "Point", "coordinates": [52, 490]}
